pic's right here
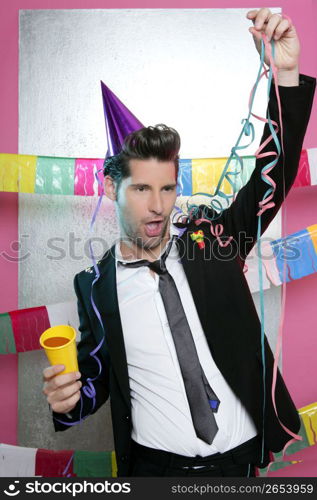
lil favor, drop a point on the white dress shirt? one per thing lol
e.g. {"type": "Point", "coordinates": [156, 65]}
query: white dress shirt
{"type": "Point", "coordinates": [161, 415]}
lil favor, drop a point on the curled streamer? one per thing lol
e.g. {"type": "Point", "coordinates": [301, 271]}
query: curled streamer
{"type": "Point", "coordinates": [265, 204]}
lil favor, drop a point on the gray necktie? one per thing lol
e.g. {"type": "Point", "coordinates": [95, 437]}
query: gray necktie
{"type": "Point", "coordinates": [201, 398]}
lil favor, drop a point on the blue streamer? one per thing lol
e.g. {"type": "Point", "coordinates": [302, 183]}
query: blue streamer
{"type": "Point", "coordinates": [267, 193]}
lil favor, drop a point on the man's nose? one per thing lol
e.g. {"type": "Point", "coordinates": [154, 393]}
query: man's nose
{"type": "Point", "coordinates": [156, 204]}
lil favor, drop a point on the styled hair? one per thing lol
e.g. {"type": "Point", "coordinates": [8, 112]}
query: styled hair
{"type": "Point", "coordinates": [160, 142]}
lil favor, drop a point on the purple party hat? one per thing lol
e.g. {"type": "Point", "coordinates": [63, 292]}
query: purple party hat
{"type": "Point", "coordinates": [119, 120]}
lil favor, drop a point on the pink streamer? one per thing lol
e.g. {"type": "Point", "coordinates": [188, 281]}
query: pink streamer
{"type": "Point", "coordinates": [296, 437]}
{"type": "Point", "coordinates": [215, 232]}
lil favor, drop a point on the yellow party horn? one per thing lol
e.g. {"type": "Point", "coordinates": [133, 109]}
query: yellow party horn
{"type": "Point", "coordinates": [59, 343]}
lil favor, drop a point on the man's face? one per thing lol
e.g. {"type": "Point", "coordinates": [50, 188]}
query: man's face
{"type": "Point", "coordinates": [145, 201]}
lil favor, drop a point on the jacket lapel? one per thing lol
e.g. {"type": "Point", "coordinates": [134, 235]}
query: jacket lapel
{"type": "Point", "coordinates": [192, 259]}
{"type": "Point", "coordinates": [106, 300]}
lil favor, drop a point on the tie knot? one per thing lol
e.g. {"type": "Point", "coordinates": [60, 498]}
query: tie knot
{"type": "Point", "coordinates": [158, 266]}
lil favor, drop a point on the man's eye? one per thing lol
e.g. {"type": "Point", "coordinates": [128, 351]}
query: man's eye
{"type": "Point", "coordinates": [140, 188]}
{"type": "Point", "coordinates": [169, 188]}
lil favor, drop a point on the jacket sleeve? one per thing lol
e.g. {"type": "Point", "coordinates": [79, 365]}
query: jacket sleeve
{"type": "Point", "coordinates": [240, 220]}
{"type": "Point", "coordinates": [88, 367]}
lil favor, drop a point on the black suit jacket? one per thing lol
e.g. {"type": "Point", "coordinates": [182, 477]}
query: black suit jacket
{"type": "Point", "coordinates": [221, 295]}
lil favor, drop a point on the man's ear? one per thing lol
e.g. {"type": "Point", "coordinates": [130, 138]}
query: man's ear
{"type": "Point", "coordinates": [110, 188]}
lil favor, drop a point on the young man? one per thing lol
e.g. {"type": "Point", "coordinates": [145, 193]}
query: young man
{"type": "Point", "coordinates": [181, 357]}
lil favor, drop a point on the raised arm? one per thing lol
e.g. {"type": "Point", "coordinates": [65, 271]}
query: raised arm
{"type": "Point", "coordinates": [296, 93]}
{"type": "Point", "coordinates": [240, 220]}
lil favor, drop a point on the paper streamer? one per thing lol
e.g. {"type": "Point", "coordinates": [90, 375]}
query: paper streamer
{"type": "Point", "coordinates": [28, 325]}
{"type": "Point", "coordinates": [309, 417]}
{"type": "Point", "coordinates": [85, 181]}
{"type": "Point", "coordinates": [50, 463]}
{"type": "Point", "coordinates": [206, 173]}
{"type": "Point", "coordinates": [312, 160]}
{"type": "Point", "coordinates": [93, 464]}
{"type": "Point", "coordinates": [54, 175]}
{"type": "Point", "coordinates": [298, 250]}
{"type": "Point", "coordinates": [308, 432]}
{"type": "Point", "coordinates": [303, 173]}
{"type": "Point", "coordinates": [9, 398]}
{"type": "Point", "coordinates": [17, 461]}
{"type": "Point", "coordinates": [313, 235]}
{"type": "Point", "coordinates": [26, 462]}
{"type": "Point", "coordinates": [184, 181]}
{"type": "Point", "coordinates": [64, 313]}
{"type": "Point", "coordinates": [251, 269]}
{"type": "Point", "coordinates": [17, 173]}
{"type": "Point", "coordinates": [7, 340]}
{"type": "Point", "coordinates": [20, 329]}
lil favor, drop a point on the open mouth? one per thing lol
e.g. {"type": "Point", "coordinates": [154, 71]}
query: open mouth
{"type": "Point", "coordinates": [153, 228]}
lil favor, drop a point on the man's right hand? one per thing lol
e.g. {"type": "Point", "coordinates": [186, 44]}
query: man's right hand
{"type": "Point", "coordinates": [62, 391]}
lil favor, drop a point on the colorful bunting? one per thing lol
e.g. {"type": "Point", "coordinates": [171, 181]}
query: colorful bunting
{"type": "Point", "coordinates": [85, 181]}
{"type": "Point", "coordinates": [9, 399]}
{"type": "Point", "coordinates": [308, 432]}
{"type": "Point", "coordinates": [20, 329]}
{"type": "Point", "coordinates": [93, 464]}
{"type": "Point", "coordinates": [206, 173]}
{"type": "Point", "coordinates": [309, 418]}
{"type": "Point", "coordinates": [7, 341]}
{"type": "Point", "coordinates": [49, 463]}
{"type": "Point", "coordinates": [297, 252]}
{"type": "Point", "coordinates": [17, 461]}
{"type": "Point", "coordinates": [28, 462]}
{"type": "Point", "coordinates": [28, 325]}
{"type": "Point", "coordinates": [52, 175]}
{"type": "Point", "coordinates": [303, 173]}
{"type": "Point", "coordinates": [63, 313]}
{"type": "Point", "coordinates": [312, 160]}
{"type": "Point", "coordinates": [17, 173]}
{"type": "Point", "coordinates": [185, 178]}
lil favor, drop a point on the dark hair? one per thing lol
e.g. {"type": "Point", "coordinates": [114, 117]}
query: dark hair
{"type": "Point", "coordinates": [160, 142]}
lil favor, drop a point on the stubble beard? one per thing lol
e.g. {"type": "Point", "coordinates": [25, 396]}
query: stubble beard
{"type": "Point", "coordinates": [133, 236]}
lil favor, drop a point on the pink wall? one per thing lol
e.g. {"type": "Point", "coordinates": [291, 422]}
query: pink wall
{"type": "Point", "coordinates": [304, 16]}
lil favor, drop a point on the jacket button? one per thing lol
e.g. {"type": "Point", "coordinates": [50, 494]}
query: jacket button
{"type": "Point", "coordinates": [124, 458]}
{"type": "Point", "coordinates": [127, 417]}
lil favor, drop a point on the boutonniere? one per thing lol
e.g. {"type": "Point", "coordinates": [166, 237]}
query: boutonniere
{"type": "Point", "coordinates": [198, 237]}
